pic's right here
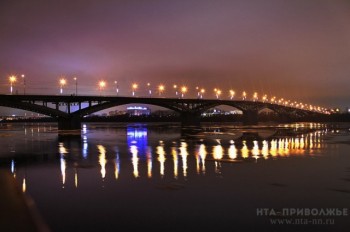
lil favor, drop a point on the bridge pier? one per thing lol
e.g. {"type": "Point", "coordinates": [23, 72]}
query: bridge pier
{"type": "Point", "coordinates": [190, 119]}
{"type": "Point", "coordinates": [71, 123]}
{"type": "Point", "coordinates": [250, 117]}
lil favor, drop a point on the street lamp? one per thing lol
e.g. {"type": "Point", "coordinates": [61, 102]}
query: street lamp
{"type": "Point", "coordinates": [161, 88]}
{"type": "Point", "coordinates": [76, 85]}
{"type": "Point", "coordinates": [149, 89]}
{"type": "Point", "coordinates": [198, 92]}
{"type": "Point", "coordinates": [255, 96]}
{"type": "Point", "coordinates": [244, 95]}
{"type": "Point", "coordinates": [63, 82]}
{"type": "Point", "coordinates": [175, 87]}
{"type": "Point", "coordinates": [232, 93]}
{"type": "Point", "coordinates": [116, 87]}
{"type": "Point", "coordinates": [12, 80]}
{"type": "Point", "coordinates": [134, 87]}
{"type": "Point", "coordinates": [202, 92]}
{"type": "Point", "coordinates": [264, 98]}
{"type": "Point", "coordinates": [217, 93]}
{"type": "Point", "coordinates": [24, 84]}
{"type": "Point", "coordinates": [101, 85]}
{"type": "Point", "coordinates": [183, 91]}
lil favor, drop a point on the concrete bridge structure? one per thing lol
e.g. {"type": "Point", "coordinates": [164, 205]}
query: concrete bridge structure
{"type": "Point", "coordinates": [190, 110]}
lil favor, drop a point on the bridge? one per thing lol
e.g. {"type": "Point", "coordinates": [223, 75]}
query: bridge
{"type": "Point", "coordinates": [190, 110]}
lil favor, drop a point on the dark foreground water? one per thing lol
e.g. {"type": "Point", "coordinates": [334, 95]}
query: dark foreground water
{"type": "Point", "coordinates": [221, 177]}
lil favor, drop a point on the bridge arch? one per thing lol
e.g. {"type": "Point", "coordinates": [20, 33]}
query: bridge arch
{"type": "Point", "coordinates": [106, 105]}
{"type": "Point", "coordinates": [34, 108]}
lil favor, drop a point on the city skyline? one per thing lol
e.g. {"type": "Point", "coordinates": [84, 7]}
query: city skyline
{"type": "Point", "coordinates": [295, 50]}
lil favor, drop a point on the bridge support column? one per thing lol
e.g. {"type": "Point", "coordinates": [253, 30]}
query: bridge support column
{"type": "Point", "coordinates": [190, 119]}
{"type": "Point", "coordinates": [250, 117]}
{"type": "Point", "coordinates": [71, 123]}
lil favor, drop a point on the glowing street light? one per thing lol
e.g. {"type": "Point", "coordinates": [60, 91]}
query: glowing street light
{"type": "Point", "coordinates": [264, 98]}
{"type": "Point", "coordinates": [116, 87]}
{"type": "Point", "coordinates": [76, 85]}
{"type": "Point", "coordinates": [134, 88]}
{"type": "Point", "coordinates": [24, 84]}
{"type": "Point", "coordinates": [244, 95]}
{"type": "Point", "coordinates": [232, 94]}
{"type": "Point", "coordinates": [161, 88]}
{"type": "Point", "coordinates": [198, 92]}
{"type": "Point", "coordinates": [217, 93]}
{"type": "Point", "coordinates": [255, 96]}
{"type": "Point", "coordinates": [202, 92]}
{"type": "Point", "coordinates": [183, 91]}
{"type": "Point", "coordinates": [149, 89]}
{"type": "Point", "coordinates": [175, 87]}
{"type": "Point", "coordinates": [63, 82]}
{"type": "Point", "coordinates": [101, 86]}
{"type": "Point", "coordinates": [12, 80]}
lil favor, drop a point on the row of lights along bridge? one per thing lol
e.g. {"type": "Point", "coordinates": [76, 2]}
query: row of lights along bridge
{"type": "Point", "coordinates": [181, 91]}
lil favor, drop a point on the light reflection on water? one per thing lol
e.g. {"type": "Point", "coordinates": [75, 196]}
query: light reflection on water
{"type": "Point", "coordinates": [119, 169]}
{"type": "Point", "coordinates": [152, 155]}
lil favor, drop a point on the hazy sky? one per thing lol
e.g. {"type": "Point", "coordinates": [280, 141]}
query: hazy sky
{"type": "Point", "coordinates": [298, 50]}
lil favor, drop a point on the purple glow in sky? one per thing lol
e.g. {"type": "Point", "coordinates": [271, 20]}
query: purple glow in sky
{"type": "Point", "coordinates": [297, 49]}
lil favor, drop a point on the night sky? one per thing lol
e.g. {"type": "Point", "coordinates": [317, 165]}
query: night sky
{"type": "Point", "coordinates": [298, 50]}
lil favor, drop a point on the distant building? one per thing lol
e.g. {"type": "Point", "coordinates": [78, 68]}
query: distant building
{"type": "Point", "coordinates": [138, 110]}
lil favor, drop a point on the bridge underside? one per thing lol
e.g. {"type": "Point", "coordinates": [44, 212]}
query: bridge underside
{"type": "Point", "coordinates": [190, 110]}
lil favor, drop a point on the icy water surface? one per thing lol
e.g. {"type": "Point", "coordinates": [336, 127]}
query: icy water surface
{"type": "Point", "coordinates": [220, 177]}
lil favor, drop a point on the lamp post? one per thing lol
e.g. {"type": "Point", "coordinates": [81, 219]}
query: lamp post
{"type": "Point", "coordinates": [12, 80]}
{"type": "Point", "coordinates": [183, 91]}
{"type": "Point", "coordinates": [76, 85]}
{"type": "Point", "coordinates": [244, 95]}
{"type": "Point", "coordinates": [134, 88]}
{"type": "Point", "coordinates": [101, 85]}
{"type": "Point", "coordinates": [116, 87]}
{"type": "Point", "coordinates": [161, 88]}
{"type": "Point", "coordinates": [202, 92]}
{"type": "Point", "coordinates": [255, 96]}
{"type": "Point", "coordinates": [232, 94]}
{"type": "Point", "coordinates": [149, 89]}
{"type": "Point", "coordinates": [175, 87]}
{"type": "Point", "coordinates": [24, 84]}
{"type": "Point", "coordinates": [63, 82]}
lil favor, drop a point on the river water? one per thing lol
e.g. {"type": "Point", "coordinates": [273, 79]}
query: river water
{"type": "Point", "coordinates": [161, 177]}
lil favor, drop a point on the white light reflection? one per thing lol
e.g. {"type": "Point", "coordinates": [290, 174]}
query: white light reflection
{"type": "Point", "coordinates": [161, 157]}
{"type": "Point", "coordinates": [149, 162]}
{"type": "Point", "coordinates": [217, 155]}
{"type": "Point", "coordinates": [62, 150]}
{"type": "Point", "coordinates": [116, 166]}
{"type": "Point", "coordinates": [245, 151]}
{"type": "Point", "coordinates": [75, 178]}
{"type": "Point", "coordinates": [265, 149]}
{"type": "Point", "coordinates": [134, 160]}
{"type": "Point", "coordinates": [85, 147]}
{"type": "Point", "coordinates": [13, 168]}
{"type": "Point", "coordinates": [176, 161]}
{"type": "Point", "coordinates": [102, 160]}
{"type": "Point", "coordinates": [273, 148]}
{"type": "Point", "coordinates": [255, 150]}
{"type": "Point", "coordinates": [63, 169]}
{"type": "Point", "coordinates": [24, 185]}
{"type": "Point", "coordinates": [184, 154]}
{"type": "Point", "coordinates": [202, 154]}
{"type": "Point", "coordinates": [232, 151]}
